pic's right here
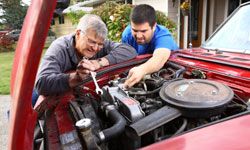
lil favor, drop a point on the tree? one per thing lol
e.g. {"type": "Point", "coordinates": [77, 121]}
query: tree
{"type": "Point", "coordinates": [13, 13]}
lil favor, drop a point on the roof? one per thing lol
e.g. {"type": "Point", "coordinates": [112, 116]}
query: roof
{"type": "Point", "coordinates": [77, 7]}
{"type": "Point", "coordinates": [86, 6]}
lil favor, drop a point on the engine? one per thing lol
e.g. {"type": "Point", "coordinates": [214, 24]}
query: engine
{"type": "Point", "coordinates": [163, 105]}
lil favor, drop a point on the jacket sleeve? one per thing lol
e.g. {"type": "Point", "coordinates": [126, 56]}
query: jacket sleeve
{"type": "Point", "coordinates": [117, 52]}
{"type": "Point", "coordinates": [51, 79]}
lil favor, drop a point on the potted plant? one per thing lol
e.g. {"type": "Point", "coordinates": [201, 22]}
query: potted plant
{"type": "Point", "coordinates": [185, 8]}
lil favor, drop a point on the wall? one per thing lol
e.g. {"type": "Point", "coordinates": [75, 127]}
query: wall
{"type": "Point", "coordinates": [173, 14]}
{"type": "Point", "coordinates": [63, 29]}
{"type": "Point", "coordinates": [161, 5]}
{"type": "Point", "coordinates": [173, 10]}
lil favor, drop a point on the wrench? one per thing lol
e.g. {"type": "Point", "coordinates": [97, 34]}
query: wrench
{"type": "Point", "coordinates": [97, 88]}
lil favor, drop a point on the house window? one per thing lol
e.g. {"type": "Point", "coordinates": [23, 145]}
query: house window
{"type": "Point", "coordinates": [128, 1]}
{"type": "Point", "coordinates": [233, 4]}
{"type": "Point", "coordinates": [244, 1]}
{"type": "Point", "coordinates": [61, 19]}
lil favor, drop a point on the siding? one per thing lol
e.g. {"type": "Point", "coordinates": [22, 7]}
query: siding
{"type": "Point", "coordinates": [161, 5]}
{"type": "Point", "coordinates": [63, 29]}
{"type": "Point", "coordinates": [173, 10]}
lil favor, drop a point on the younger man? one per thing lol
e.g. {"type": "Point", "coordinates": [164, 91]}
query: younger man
{"type": "Point", "coordinates": [147, 37]}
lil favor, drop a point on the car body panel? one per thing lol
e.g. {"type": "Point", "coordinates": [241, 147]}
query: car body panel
{"type": "Point", "coordinates": [14, 34]}
{"type": "Point", "coordinates": [239, 59]}
{"type": "Point", "coordinates": [27, 57]}
{"type": "Point", "coordinates": [228, 135]}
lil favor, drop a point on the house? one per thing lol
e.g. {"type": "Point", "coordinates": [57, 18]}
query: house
{"type": "Point", "coordinates": [202, 20]}
{"type": "Point", "coordinates": [61, 24]}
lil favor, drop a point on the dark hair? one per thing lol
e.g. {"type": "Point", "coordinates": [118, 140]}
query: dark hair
{"type": "Point", "coordinates": [143, 13]}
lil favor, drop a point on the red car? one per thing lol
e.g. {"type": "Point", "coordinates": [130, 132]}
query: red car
{"type": "Point", "coordinates": [198, 100]}
{"type": "Point", "coordinates": [5, 40]}
{"type": "Point", "coordinates": [14, 34]}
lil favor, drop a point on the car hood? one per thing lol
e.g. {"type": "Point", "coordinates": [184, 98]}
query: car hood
{"type": "Point", "coordinates": [227, 58]}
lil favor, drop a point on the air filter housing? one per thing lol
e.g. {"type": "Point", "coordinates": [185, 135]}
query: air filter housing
{"type": "Point", "coordinates": [196, 97]}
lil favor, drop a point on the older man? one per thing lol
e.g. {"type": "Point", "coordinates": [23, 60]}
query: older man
{"type": "Point", "coordinates": [67, 53]}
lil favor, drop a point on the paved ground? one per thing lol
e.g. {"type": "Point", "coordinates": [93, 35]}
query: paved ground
{"type": "Point", "coordinates": [4, 107]}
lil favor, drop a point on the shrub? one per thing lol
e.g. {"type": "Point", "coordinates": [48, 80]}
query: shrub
{"type": "Point", "coordinates": [6, 43]}
{"type": "Point", "coordinates": [162, 19]}
{"type": "Point", "coordinates": [116, 17]}
{"type": "Point", "coordinates": [75, 16]}
{"type": "Point", "coordinates": [106, 10]}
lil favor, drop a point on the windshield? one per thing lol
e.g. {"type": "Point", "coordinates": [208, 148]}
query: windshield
{"type": "Point", "coordinates": [234, 35]}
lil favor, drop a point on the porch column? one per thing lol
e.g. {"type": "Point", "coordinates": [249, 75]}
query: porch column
{"type": "Point", "coordinates": [185, 33]}
{"type": "Point", "coordinates": [211, 17]}
{"type": "Point", "coordinates": [226, 10]}
{"type": "Point", "coordinates": [204, 21]}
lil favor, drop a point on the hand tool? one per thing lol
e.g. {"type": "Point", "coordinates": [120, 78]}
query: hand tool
{"type": "Point", "coordinates": [97, 88]}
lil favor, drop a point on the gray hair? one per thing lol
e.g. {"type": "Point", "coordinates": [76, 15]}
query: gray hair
{"type": "Point", "coordinates": [94, 22]}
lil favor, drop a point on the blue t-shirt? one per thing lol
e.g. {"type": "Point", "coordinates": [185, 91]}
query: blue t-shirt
{"type": "Point", "coordinates": [162, 39]}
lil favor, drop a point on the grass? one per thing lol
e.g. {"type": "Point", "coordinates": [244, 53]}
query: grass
{"type": "Point", "coordinates": [6, 61]}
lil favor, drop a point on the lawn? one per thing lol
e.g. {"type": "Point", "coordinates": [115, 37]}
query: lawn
{"type": "Point", "coordinates": [6, 61]}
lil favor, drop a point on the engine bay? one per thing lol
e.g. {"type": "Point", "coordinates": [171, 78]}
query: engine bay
{"type": "Point", "coordinates": [163, 105]}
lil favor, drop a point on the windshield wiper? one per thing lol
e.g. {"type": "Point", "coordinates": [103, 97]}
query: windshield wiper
{"type": "Point", "coordinates": [221, 50]}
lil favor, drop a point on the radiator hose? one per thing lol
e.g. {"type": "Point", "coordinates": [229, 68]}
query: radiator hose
{"type": "Point", "coordinates": [118, 121]}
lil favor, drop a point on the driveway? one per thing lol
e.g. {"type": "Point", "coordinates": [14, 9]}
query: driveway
{"type": "Point", "coordinates": [4, 107]}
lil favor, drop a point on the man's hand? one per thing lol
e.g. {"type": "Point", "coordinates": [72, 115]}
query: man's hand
{"type": "Point", "coordinates": [155, 63]}
{"type": "Point", "coordinates": [96, 64]}
{"type": "Point", "coordinates": [135, 75]}
{"type": "Point", "coordinates": [84, 67]}
{"type": "Point", "coordinates": [82, 71]}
